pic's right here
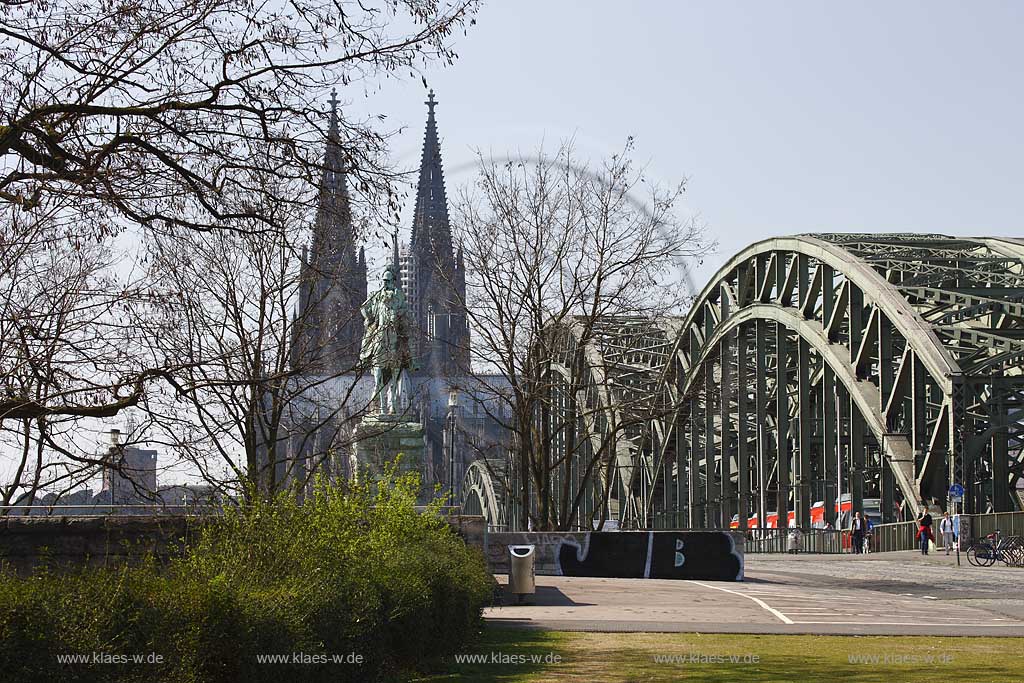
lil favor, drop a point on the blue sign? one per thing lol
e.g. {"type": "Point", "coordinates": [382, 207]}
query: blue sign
{"type": "Point", "coordinates": [956, 490]}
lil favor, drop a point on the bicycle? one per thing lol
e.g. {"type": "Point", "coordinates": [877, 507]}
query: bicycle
{"type": "Point", "coordinates": [985, 553]}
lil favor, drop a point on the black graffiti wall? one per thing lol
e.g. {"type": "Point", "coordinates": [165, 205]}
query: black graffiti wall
{"type": "Point", "coordinates": [709, 555]}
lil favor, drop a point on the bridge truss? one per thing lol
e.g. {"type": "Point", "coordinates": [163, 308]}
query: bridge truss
{"type": "Point", "coordinates": [819, 366]}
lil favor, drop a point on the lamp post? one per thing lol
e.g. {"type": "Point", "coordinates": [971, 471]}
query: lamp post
{"type": "Point", "coordinates": [762, 479]}
{"type": "Point", "coordinates": [453, 404]}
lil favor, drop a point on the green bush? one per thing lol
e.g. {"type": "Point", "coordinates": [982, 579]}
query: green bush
{"type": "Point", "coordinates": [344, 573]}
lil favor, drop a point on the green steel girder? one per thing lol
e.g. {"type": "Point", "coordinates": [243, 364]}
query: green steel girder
{"type": "Point", "coordinates": [815, 366]}
{"type": "Point", "coordinates": [483, 493]}
{"type": "Point", "coordinates": [929, 327]}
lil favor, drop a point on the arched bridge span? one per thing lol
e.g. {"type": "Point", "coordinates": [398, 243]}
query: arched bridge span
{"type": "Point", "coordinates": [870, 366]}
{"type": "Point", "coordinates": [816, 368]}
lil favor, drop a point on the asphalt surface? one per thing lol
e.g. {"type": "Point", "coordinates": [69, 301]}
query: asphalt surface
{"type": "Point", "coordinates": [881, 594]}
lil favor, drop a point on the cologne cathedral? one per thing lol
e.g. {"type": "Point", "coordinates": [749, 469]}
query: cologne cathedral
{"type": "Point", "coordinates": [328, 329]}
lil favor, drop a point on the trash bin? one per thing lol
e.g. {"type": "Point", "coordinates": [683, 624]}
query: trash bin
{"type": "Point", "coordinates": [793, 544]}
{"type": "Point", "coordinates": [521, 576]}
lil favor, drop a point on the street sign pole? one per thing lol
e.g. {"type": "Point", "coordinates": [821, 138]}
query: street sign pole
{"type": "Point", "coordinates": [956, 494]}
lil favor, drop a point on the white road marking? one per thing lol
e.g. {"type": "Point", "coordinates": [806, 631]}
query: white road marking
{"type": "Point", "coordinates": [782, 617]}
{"type": "Point", "coordinates": [791, 596]}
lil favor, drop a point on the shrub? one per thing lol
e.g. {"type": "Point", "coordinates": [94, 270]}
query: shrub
{"type": "Point", "coordinates": [347, 571]}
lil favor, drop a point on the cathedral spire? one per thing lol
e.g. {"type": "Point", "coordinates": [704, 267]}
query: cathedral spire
{"type": "Point", "coordinates": [334, 177]}
{"type": "Point", "coordinates": [332, 127]}
{"type": "Point", "coordinates": [333, 238]}
{"type": "Point", "coordinates": [329, 327]}
{"type": "Point", "coordinates": [436, 285]}
{"type": "Point", "coordinates": [430, 220]}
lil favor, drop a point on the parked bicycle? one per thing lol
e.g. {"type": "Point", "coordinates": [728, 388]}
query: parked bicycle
{"type": "Point", "coordinates": [994, 547]}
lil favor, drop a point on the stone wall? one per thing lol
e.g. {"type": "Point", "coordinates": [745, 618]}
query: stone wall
{"type": "Point", "coordinates": [710, 555]}
{"type": "Point", "coordinates": [27, 542]}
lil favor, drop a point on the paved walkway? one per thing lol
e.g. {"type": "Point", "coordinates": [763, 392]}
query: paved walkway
{"type": "Point", "coordinates": [887, 593]}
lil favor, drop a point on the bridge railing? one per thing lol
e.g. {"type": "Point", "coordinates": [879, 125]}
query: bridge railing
{"type": "Point", "coordinates": [894, 536]}
{"type": "Point", "coordinates": [1008, 523]}
{"type": "Point", "coordinates": [817, 541]}
{"type": "Point", "coordinates": [883, 538]}
{"type": "Point", "coordinates": [891, 537]}
{"type": "Point", "coordinates": [903, 535]}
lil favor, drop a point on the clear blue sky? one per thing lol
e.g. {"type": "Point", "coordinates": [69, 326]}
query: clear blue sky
{"type": "Point", "coordinates": [786, 117]}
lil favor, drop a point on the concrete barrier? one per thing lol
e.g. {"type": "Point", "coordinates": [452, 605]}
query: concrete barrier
{"type": "Point", "coordinates": [709, 555]}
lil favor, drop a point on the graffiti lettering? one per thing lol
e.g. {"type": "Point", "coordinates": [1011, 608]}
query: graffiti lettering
{"type": "Point", "coordinates": [709, 555]}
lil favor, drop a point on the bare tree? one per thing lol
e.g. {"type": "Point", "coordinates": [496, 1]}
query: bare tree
{"type": "Point", "coordinates": [158, 121]}
{"type": "Point", "coordinates": [67, 354]}
{"type": "Point", "coordinates": [553, 251]}
{"type": "Point", "coordinates": [169, 113]}
{"type": "Point", "coordinates": [243, 379]}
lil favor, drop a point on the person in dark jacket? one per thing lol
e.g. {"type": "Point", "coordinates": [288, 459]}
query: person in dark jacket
{"type": "Point", "coordinates": [859, 528]}
{"type": "Point", "coordinates": [924, 528]}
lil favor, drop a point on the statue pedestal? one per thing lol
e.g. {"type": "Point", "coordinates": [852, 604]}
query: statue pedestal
{"type": "Point", "coordinates": [379, 439]}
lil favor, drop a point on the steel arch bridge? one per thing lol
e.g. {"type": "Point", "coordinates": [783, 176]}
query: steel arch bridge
{"type": "Point", "coordinates": [818, 366]}
{"type": "Point", "coordinates": [483, 494]}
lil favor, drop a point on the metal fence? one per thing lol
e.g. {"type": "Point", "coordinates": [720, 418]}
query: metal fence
{"type": "Point", "coordinates": [819, 541]}
{"type": "Point", "coordinates": [895, 536]}
{"type": "Point", "coordinates": [1008, 523]}
{"type": "Point", "coordinates": [884, 537]}
{"type": "Point", "coordinates": [903, 535]}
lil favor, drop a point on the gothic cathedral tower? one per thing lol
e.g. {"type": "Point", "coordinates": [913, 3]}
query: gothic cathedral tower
{"type": "Point", "coordinates": [434, 278]}
{"type": "Point", "coordinates": [328, 328]}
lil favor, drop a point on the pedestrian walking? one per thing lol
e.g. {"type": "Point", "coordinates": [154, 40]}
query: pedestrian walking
{"type": "Point", "coordinates": [924, 528]}
{"type": "Point", "coordinates": [858, 527]}
{"type": "Point", "coordinates": [794, 541]}
{"type": "Point", "coordinates": [946, 529]}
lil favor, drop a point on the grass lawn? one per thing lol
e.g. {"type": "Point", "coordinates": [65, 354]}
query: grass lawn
{"type": "Point", "coordinates": [522, 655]}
